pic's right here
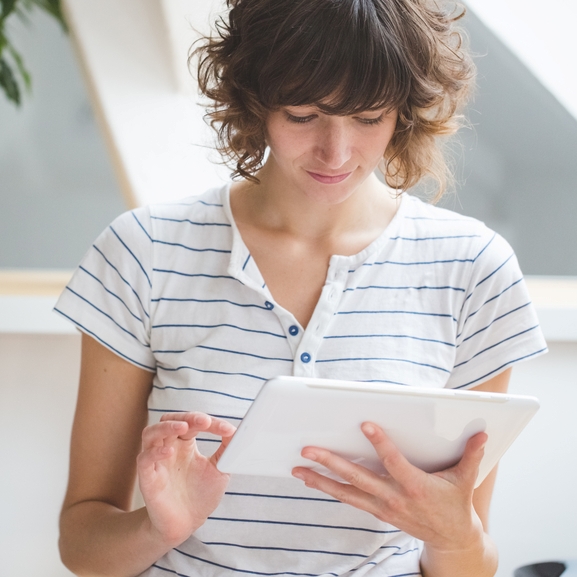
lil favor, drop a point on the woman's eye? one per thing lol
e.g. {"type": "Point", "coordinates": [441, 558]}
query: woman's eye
{"type": "Point", "coordinates": [372, 121]}
{"type": "Point", "coordinates": [299, 119]}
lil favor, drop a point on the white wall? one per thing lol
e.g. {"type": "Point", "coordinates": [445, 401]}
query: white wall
{"type": "Point", "coordinates": [534, 511]}
{"type": "Point", "coordinates": [37, 398]}
{"type": "Point", "coordinates": [534, 514]}
{"type": "Point", "coordinates": [54, 167]}
{"type": "Point", "coordinates": [542, 35]}
{"type": "Point", "coordinates": [155, 135]}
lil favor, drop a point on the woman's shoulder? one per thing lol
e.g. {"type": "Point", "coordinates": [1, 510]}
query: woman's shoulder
{"type": "Point", "coordinates": [206, 205]}
{"type": "Point", "coordinates": [214, 197]}
{"type": "Point", "coordinates": [205, 208]}
{"type": "Point", "coordinates": [426, 221]}
{"type": "Point", "coordinates": [427, 215]}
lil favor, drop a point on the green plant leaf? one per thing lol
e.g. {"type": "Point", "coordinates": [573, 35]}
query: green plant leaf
{"type": "Point", "coordinates": [21, 8]}
{"type": "Point", "coordinates": [3, 41]}
{"type": "Point", "coordinates": [53, 7]}
{"type": "Point", "coordinates": [7, 8]}
{"type": "Point", "coordinates": [21, 68]}
{"type": "Point", "coordinates": [8, 82]}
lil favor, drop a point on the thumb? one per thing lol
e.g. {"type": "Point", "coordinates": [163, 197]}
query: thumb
{"type": "Point", "coordinates": [223, 445]}
{"type": "Point", "coordinates": [467, 468]}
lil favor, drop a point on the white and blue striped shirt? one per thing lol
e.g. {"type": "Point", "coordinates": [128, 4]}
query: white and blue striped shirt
{"type": "Point", "coordinates": [437, 300]}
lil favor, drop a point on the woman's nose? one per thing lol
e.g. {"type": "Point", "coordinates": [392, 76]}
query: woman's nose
{"type": "Point", "coordinates": [334, 144]}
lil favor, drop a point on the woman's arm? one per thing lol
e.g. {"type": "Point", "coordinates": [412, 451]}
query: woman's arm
{"type": "Point", "coordinates": [441, 509]}
{"type": "Point", "coordinates": [482, 558]}
{"type": "Point", "coordinates": [99, 535]}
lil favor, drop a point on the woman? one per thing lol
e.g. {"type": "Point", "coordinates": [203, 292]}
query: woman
{"type": "Point", "coordinates": [306, 265]}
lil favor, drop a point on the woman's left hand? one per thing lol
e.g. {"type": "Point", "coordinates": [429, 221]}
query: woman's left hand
{"type": "Point", "coordinates": [433, 507]}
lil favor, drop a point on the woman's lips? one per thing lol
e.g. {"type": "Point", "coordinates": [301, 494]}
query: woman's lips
{"type": "Point", "coordinates": [328, 179]}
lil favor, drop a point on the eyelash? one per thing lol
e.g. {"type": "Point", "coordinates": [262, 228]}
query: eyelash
{"type": "Point", "coordinates": [305, 119]}
{"type": "Point", "coordinates": [372, 121]}
{"type": "Point", "coordinates": [299, 119]}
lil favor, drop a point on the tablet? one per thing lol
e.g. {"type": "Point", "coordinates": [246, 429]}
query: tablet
{"type": "Point", "coordinates": [430, 426]}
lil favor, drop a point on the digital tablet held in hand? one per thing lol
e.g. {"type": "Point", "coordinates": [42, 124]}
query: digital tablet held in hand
{"type": "Point", "coordinates": [429, 426]}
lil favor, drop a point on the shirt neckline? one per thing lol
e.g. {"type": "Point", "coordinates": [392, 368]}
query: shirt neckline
{"type": "Point", "coordinates": [240, 252]}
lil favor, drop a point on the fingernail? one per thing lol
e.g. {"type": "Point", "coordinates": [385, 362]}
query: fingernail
{"type": "Point", "coordinates": [310, 455]}
{"type": "Point", "coordinates": [299, 476]}
{"type": "Point", "coordinates": [369, 429]}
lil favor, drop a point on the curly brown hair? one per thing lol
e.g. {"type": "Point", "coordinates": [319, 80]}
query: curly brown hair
{"type": "Point", "coordinates": [343, 56]}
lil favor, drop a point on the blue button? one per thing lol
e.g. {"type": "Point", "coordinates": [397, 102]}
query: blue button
{"type": "Point", "coordinates": [294, 330]}
{"type": "Point", "coordinates": [305, 358]}
{"type": "Point", "coordinates": [269, 305]}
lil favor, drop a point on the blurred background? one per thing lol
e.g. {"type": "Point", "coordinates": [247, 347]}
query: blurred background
{"type": "Point", "coordinates": [112, 122]}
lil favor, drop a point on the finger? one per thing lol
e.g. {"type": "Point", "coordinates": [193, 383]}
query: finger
{"type": "Point", "coordinates": [201, 422]}
{"type": "Point", "coordinates": [393, 460]}
{"type": "Point", "coordinates": [467, 468]}
{"type": "Point", "coordinates": [158, 434]}
{"type": "Point", "coordinates": [198, 422]}
{"type": "Point", "coordinates": [174, 416]}
{"type": "Point", "coordinates": [215, 458]}
{"type": "Point", "coordinates": [195, 419]}
{"type": "Point", "coordinates": [352, 473]}
{"type": "Point", "coordinates": [154, 454]}
{"type": "Point", "coordinates": [226, 439]}
{"type": "Point", "coordinates": [342, 492]}
{"type": "Point", "coordinates": [147, 459]}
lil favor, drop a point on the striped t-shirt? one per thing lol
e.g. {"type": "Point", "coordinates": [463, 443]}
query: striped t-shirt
{"type": "Point", "coordinates": [437, 300]}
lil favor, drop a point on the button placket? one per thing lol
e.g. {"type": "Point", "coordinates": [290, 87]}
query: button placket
{"type": "Point", "coordinates": [292, 330]}
{"type": "Point", "coordinates": [312, 338]}
{"type": "Point", "coordinates": [294, 334]}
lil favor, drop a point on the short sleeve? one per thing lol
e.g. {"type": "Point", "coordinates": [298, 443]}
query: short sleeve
{"type": "Point", "coordinates": [109, 295]}
{"type": "Point", "coordinates": [497, 324]}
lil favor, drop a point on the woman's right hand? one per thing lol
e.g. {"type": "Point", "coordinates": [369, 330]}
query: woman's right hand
{"type": "Point", "coordinates": [180, 486]}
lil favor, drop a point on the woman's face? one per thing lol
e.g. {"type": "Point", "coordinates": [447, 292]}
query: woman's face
{"type": "Point", "coordinates": [327, 157]}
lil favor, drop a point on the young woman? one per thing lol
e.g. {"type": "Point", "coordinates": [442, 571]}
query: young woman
{"type": "Point", "coordinates": [308, 265]}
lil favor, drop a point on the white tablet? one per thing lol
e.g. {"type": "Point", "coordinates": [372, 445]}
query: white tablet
{"type": "Point", "coordinates": [430, 426]}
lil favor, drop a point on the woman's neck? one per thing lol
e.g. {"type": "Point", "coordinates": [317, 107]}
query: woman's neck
{"type": "Point", "coordinates": [274, 206]}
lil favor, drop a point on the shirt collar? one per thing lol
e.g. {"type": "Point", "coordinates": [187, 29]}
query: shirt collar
{"type": "Point", "coordinates": [243, 267]}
